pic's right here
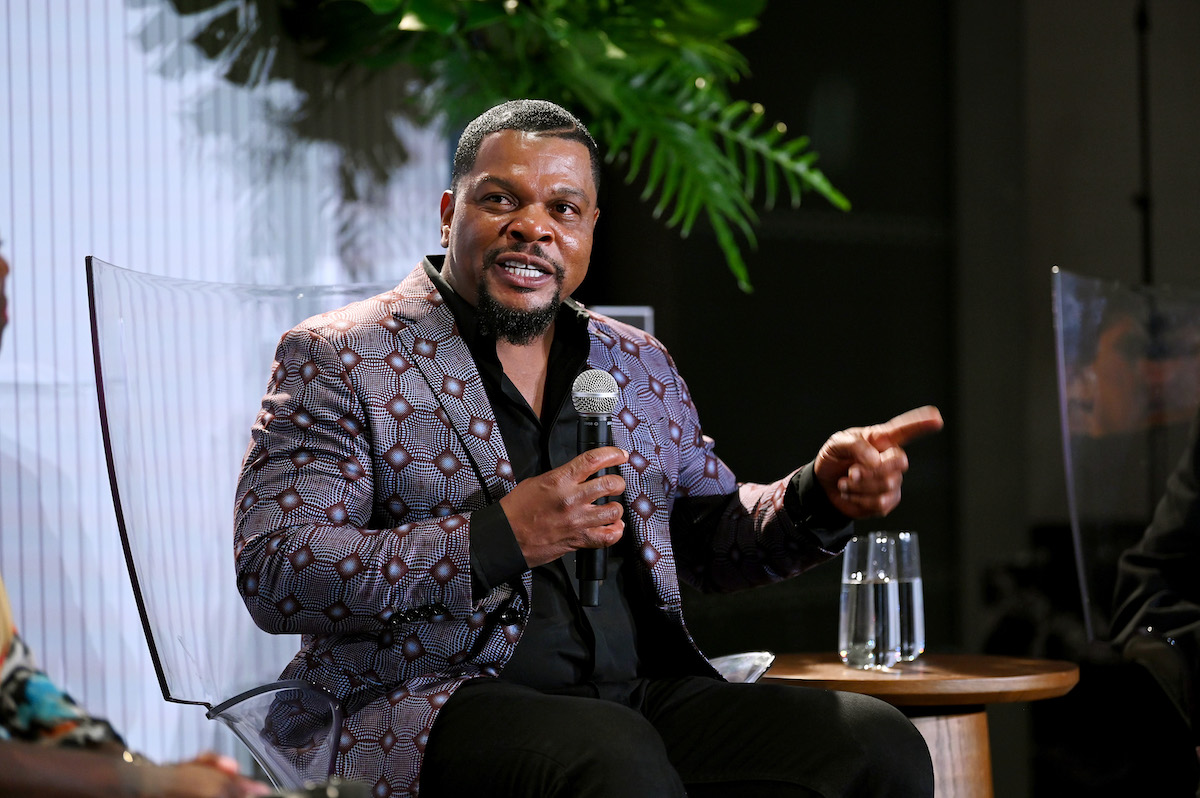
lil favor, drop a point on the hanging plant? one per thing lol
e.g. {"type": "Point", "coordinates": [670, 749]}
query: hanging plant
{"type": "Point", "coordinates": [650, 78]}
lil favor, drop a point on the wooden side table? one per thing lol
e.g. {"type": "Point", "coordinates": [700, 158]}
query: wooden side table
{"type": "Point", "coordinates": [946, 697]}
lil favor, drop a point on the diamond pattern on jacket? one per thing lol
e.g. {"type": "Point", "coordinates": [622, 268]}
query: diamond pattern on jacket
{"type": "Point", "coordinates": [504, 469]}
{"type": "Point", "coordinates": [289, 499]}
{"type": "Point", "coordinates": [349, 567]}
{"type": "Point", "coordinates": [398, 362]}
{"type": "Point", "coordinates": [644, 507]}
{"type": "Point", "coordinates": [447, 463]}
{"type": "Point", "coordinates": [444, 570]}
{"type": "Point", "coordinates": [399, 408]}
{"type": "Point", "coordinates": [425, 348]}
{"type": "Point", "coordinates": [301, 558]}
{"type": "Point", "coordinates": [394, 570]}
{"type": "Point", "coordinates": [481, 428]}
{"type": "Point", "coordinates": [397, 457]}
{"type": "Point", "coordinates": [412, 648]}
{"type": "Point", "coordinates": [350, 425]}
{"type": "Point", "coordinates": [351, 469]}
{"type": "Point", "coordinates": [337, 514]}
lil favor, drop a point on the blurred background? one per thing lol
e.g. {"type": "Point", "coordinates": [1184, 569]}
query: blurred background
{"type": "Point", "coordinates": [980, 143]}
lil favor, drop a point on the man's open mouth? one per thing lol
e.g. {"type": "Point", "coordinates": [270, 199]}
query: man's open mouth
{"type": "Point", "coordinates": [520, 264]}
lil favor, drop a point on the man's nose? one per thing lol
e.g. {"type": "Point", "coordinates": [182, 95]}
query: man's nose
{"type": "Point", "coordinates": [531, 224]}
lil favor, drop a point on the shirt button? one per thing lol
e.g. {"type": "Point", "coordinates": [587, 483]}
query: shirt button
{"type": "Point", "coordinates": [511, 616]}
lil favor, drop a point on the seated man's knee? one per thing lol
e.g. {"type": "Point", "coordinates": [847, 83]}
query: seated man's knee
{"type": "Point", "coordinates": [620, 751]}
{"type": "Point", "coordinates": [548, 748]}
{"type": "Point", "coordinates": [895, 755]}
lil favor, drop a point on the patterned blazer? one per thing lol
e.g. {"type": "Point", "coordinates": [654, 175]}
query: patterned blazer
{"type": "Point", "coordinates": [374, 445]}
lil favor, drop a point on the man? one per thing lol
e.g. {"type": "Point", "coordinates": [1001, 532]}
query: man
{"type": "Point", "coordinates": [1157, 626]}
{"type": "Point", "coordinates": [412, 502]}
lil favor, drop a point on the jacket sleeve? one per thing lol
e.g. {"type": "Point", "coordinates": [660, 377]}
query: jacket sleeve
{"type": "Point", "coordinates": [1157, 595]}
{"type": "Point", "coordinates": [309, 556]}
{"type": "Point", "coordinates": [728, 535]}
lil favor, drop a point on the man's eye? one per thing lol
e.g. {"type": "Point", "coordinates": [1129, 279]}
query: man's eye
{"type": "Point", "coordinates": [566, 209]}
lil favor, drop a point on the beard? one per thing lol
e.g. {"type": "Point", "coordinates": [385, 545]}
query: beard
{"type": "Point", "coordinates": [516, 326]}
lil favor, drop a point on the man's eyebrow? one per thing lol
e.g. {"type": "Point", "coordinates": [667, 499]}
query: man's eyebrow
{"type": "Point", "coordinates": [571, 191]}
{"type": "Point", "coordinates": [565, 190]}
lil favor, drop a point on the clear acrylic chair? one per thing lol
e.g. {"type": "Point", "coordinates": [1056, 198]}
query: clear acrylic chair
{"type": "Point", "coordinates": [1129, 385]}
{"type": "Point", "coordinates": [181, 366]}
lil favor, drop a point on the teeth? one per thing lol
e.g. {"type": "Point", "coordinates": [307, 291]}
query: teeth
{"type": "Point", "coordinates": [522, 271]}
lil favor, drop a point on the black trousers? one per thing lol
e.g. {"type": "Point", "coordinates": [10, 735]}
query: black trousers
{"type": "Point", "coordinates": [691, 736]}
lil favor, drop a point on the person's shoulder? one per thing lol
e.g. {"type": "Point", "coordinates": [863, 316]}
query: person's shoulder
{"type": "Point", "coordinates": [630, 340]}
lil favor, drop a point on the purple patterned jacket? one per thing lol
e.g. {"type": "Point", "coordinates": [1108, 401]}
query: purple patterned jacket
{"type": "Point", "coordinates": [376, 442]}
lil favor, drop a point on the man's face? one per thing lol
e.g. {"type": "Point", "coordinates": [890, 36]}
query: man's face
{"type": "Point", "coordinates": [519, 228]}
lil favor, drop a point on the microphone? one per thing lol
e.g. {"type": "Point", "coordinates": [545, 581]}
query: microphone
{"type": "Point", "coordinates": [594, 395]}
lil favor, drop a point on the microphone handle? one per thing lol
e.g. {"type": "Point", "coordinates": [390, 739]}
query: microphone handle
{"type": "Point", "coordinates": [591, 565]}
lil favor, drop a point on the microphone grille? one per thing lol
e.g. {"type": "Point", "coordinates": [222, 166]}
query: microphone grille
{"type": "Point", "coordinates": [594, 393]}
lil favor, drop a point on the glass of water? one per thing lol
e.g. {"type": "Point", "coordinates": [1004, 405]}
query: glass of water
{"type": "Point", "coordinates": [912, 595]}
{"type": "Point", "coordinates": [869, 618]}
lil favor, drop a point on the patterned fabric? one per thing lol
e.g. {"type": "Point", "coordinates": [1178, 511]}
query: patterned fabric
{"type": "Point", "coordinates": [374, 445]}
{"type": "Point", "coordinates": [33, 708]}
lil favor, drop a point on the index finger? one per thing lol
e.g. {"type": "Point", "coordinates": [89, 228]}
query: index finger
{"type": "Point", "coordinates": [905, 427]}
{"type": "Point", "coordinates": [585, 465]}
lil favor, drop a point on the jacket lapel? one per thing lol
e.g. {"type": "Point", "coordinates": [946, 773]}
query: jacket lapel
{"type": "Point", "coordinates": [442, 356]}
{"type": "Point", "coordinates": [647, 505]}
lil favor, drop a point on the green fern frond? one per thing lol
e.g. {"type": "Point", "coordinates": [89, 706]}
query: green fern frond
{"type": "Point", "coordinates": [651, 79]}
{"type": "Point", "coordinates": [704, 157]}
{"type": "Point", "coordinates": [789, 159]}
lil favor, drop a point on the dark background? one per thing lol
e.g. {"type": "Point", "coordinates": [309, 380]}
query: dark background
{"type": "Point", "coordinates": [981, 144]}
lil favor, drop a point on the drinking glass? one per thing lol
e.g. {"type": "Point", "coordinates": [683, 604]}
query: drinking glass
{"type": "Point", "coordinates": [912, 596]}
{"type": "Point", "coordinates": [869, 617]}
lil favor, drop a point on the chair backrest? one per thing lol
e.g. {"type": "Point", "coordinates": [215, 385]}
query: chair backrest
{"type": "Point", "coordinates": [1129, 386]}
{"type": "Point", "coordinates": [181, 366]}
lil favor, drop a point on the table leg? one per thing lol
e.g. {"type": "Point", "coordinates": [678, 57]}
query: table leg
{"type": "Point", "coordinates": [958, 743]}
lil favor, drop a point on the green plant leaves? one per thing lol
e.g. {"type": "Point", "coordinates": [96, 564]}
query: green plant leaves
{"type": "Point", "coordinates": [651, 79]}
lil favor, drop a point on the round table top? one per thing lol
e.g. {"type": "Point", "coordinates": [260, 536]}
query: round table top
{"type": "Point", "coordinates": [934, 679]}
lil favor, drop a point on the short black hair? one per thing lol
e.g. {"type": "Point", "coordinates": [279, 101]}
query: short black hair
{"type": "Point", "coordinates": [528, 116]}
